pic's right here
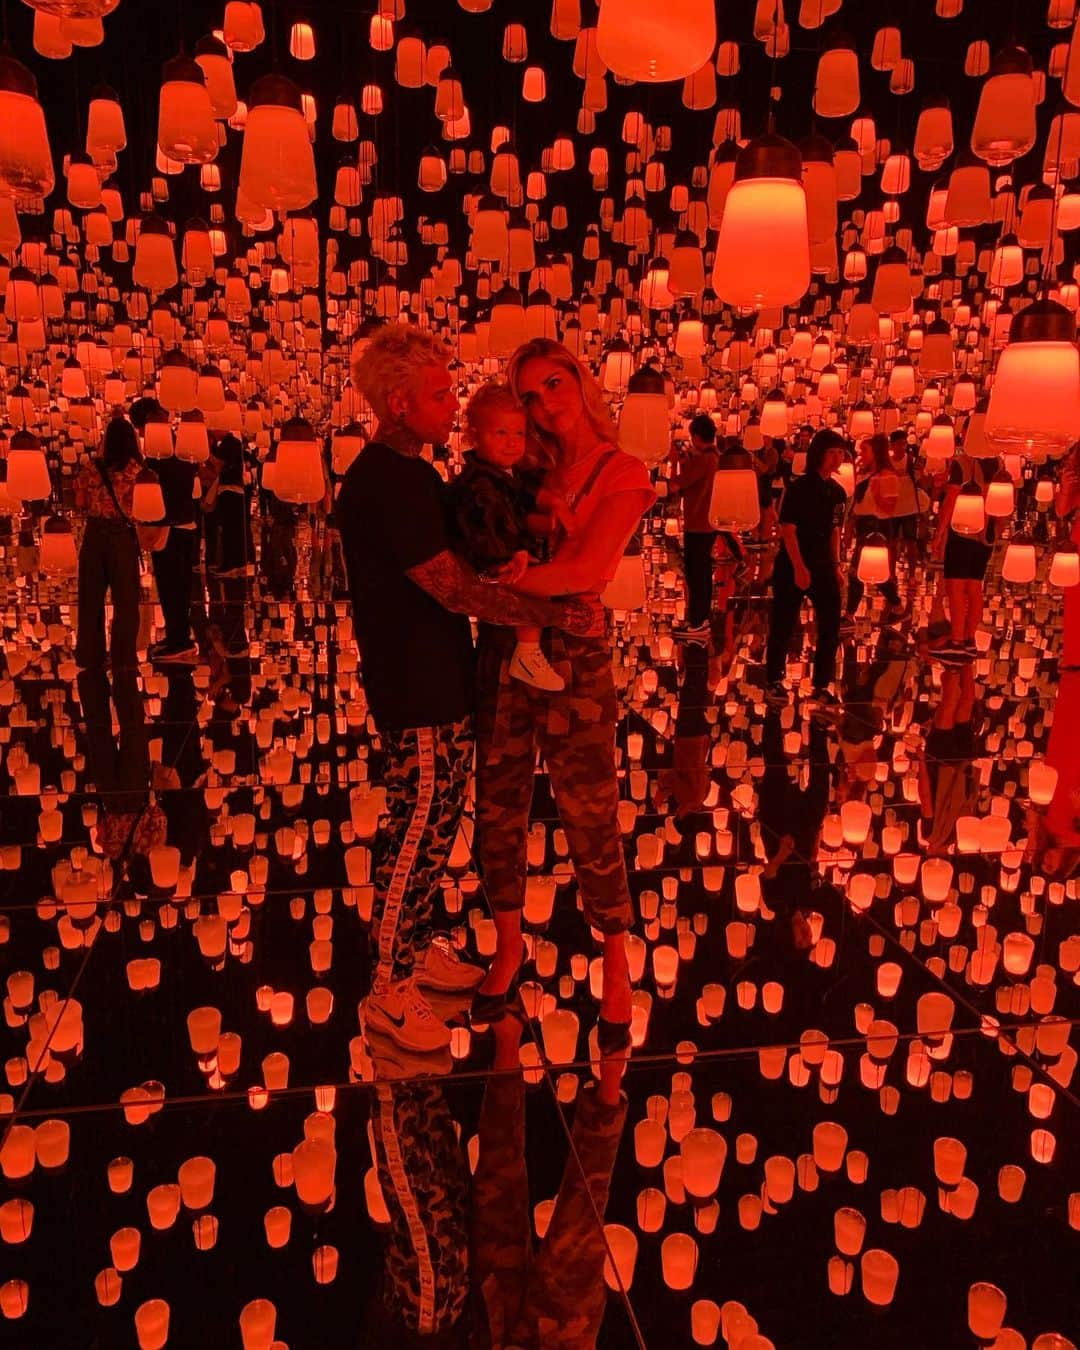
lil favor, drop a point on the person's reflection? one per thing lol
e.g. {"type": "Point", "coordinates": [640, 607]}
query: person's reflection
{"type": "Point", "coordinates": [424, 1179]}
{"type": "Point", "coordinates": [948, 783]}
{"type": "Point", "coordinates": [118, 764]}
{"type": "Point", "coordinates": [684, 786]}
{"type": "Point", "coordinates": [791, 817]}
{"type": "Point", "coordinates": [553, 1294]}
{"type": "Point", "coordinates": [870, 690]}
{"type": "Point", "coordinates": [182, 767]}
{"type": "Point", "coordinates": [1054, 837]}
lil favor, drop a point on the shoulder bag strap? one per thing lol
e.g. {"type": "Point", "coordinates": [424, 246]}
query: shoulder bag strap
{"type": "Point", "coordinates": [112, 493]}
{"type": "Point", "coordinates": [594, 474]}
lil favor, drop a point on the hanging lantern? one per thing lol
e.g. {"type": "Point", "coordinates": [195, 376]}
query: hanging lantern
{"type": "Point", "coordinates": [186, 131]}
{"type": "Point", "coordinates": [177, 383]}
{"type": "Point", "coordinates": [298, 470]}
{"type": "Point", "coordinates": [277, 165]}
{"type": "Point", "coordinates": [638, 41]}
{"type": "Point", "coordinates": [1035, 397]}
{"type": "Point", "coordinates": [1065, 566]}
{"type": "Point", "coordinates": [155, 257]}
{"type": "Point", "coordinates": [1000, 497]}
{"type": "Point", "coordinates": [27, 469]}
{"type": "Point", "coordinates": [644, 424]}
{"type": "Point", "coordinates": [836, 88]}
{"type": "Point", "coordinates": [763, 249]}
{"type": "Point", "coordinates": [58, 554]}
{"type": "Point", "coordinates": [26, 167]}
{"type": "Point", "coordinates": [874, 565]}
{"type": "Point", "coordinates": [969, 514]}
{"type": "Point", "coordinates": [1020, 562]}
{"type": "Point", "coordinates": [734, 504]}
{"type": "Point", "coordinates": [147, 501]}
{"type": "Point", "coordinates": [1004, 127]}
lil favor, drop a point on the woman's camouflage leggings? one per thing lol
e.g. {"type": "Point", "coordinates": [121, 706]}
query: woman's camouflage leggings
{"type": "Point", "coordinates": [575, 732]}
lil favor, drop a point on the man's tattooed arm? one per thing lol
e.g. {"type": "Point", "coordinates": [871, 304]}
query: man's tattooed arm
{"type": "Point", "coordinates": [457, 588]}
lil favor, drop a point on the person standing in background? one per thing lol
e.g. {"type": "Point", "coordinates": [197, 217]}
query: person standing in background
{"type": "Point", "coordinates": [811, 516]}
{"type": "Point", "coordinates": [696, 470]}
{"type": "Point", "coordinates": [109, 555]}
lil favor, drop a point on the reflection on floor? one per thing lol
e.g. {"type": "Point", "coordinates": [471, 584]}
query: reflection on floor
{"type": "Point", "coordinates": [852, 1102]}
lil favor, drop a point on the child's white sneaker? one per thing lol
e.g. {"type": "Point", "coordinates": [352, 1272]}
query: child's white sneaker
{"type": "Point", "coordinates": [529, 665]}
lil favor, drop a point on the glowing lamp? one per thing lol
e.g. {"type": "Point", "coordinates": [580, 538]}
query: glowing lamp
{"type": "Point", "coordinates": [763, 248]}
{"type": "Point", "coordinates": [147, 501]}
{"type": "Point", "coordinates": [734, 504]}
{"type": "Point", "coordinates": [27, 469]}
{"type": "Point", "coordinates": [638, 41]}
{"type": "Point", "coordinates": [1000, 497]}
{"type": "Point", "coordinates": [26, 167]}
{"type": "Point", "coordinates": [969, 513]}
{"type": "Point", "coordinates": [1065, 567]}
{"type": "Point", "coordinates": [644, 424]}
{"type": "Point", "coordinates": [874, 566]}
{"type": "Point", "coordinates": [277, 165]}
{"type": "Point", "coordinates": [1035, 398]}
{"type": "Point", "coordinates": [1020, 562]}
{"type": "Point", "coordinates": [1004, 127]}
{"type": "Point", "coordinates": [298, 470]}
{"type": "Point", "coordinates": [187, 131]}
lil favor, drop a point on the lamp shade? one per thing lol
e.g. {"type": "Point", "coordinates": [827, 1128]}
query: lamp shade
{"type": "Point", "coordinates": [763, 249]}
{"type": "Point", "coordinates": [298, 471]}
{"type": "Point", "coordinates": [644, 424]}
{"type": "Point", "coordinates": [277, 166]}
{"type": "Point", "coordinates": [638, 40]}
{"type": "Point", "coordinates": [1035, 398]}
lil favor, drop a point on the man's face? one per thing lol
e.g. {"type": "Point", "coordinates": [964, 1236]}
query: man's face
{"type": "Point", "coordinates": [697, 443]}
{"type": "Point", "coordinates": [431, 405]}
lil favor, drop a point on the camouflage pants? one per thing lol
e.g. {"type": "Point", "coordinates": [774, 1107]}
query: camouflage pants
{"type": "Point", "coordinates": [426, 774]}
{"type": "Point", "coordinates": [425, 1181]}
{"type": "Point", "coordinates": [575, 733]}
{"type": "Point", "coordinates": [552, 1296]}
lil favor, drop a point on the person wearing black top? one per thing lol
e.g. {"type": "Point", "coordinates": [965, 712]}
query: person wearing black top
{"type": "Point", "coordinates": [411, 598]}
{"type": "Point", "coordinates": [173, 563]}
{"type": "Point", "coordinates": [809, 564]}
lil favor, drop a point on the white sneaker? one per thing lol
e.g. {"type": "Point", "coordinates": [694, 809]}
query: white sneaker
{"type": "Point", "coordinates": [440, 968]}
{"type": "Point", "coordinates": [531, 666]}
{"type": "Point", "coordinates": [404, 1014]}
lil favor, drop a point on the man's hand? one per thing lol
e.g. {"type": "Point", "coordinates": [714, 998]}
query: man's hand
{"type": "Point", "coordinates": [802, 577]}
{"type": "Point", "coordinates": [585, 617]}
{"type": "Point", "coordinates": [510, 573]}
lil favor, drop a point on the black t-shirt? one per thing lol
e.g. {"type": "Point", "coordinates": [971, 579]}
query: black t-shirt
{"type": "Point", "coordinates": [177, 479]}
{"type": "Point", "coordinates": [815, 506]}
{"type": "Point", "coordinates": [417, 657]}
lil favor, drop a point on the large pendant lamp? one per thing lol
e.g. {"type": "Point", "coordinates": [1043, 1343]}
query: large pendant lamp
{"type": "Point", "coordinates": [641, 40]}
{"type": "Point", "coordinates": [763, 249]}
{"type": "Point", "coordinates": [1035, 398]}
{"type": "Point", "coordinates": [277, 166]}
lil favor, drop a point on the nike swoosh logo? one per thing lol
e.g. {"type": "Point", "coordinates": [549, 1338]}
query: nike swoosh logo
{"type": "Point", "coordinates": [397, 1021]}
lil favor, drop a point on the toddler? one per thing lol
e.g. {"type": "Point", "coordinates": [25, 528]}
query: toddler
{"type": "Point", "coordinates": [493, 501]}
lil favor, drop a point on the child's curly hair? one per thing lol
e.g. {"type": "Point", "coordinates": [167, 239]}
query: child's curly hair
{"type": "Point", "coordinates": [494, 396]}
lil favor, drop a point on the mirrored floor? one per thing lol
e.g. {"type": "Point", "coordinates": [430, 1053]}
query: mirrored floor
{"type": "Point", "coordinates": [852, 1093]}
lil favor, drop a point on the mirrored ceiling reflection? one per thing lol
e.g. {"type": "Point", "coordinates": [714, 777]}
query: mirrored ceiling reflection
{"type": "Point", "coordinates": [853, 966]}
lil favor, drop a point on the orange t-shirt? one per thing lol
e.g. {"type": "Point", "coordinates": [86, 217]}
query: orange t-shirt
{"type": "Point", "coordinates": [620, 472]}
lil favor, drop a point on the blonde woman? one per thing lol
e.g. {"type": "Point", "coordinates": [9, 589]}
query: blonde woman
{"type": "Point", "coordinates": [608, 491]}
{"type": "Point", "coordinates": [411, 598]}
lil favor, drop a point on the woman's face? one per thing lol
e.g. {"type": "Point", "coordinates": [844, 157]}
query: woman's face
{"type": "Point", "coordinates": [550, 394]}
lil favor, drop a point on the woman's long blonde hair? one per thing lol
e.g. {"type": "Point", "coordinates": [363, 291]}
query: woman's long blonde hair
{"type": "Point", "coordinates": [596, 408]}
